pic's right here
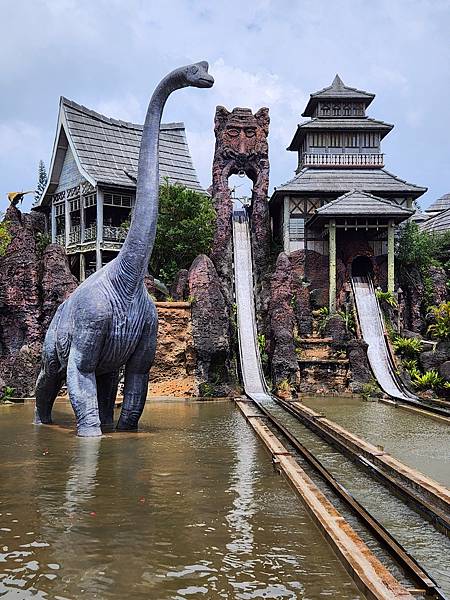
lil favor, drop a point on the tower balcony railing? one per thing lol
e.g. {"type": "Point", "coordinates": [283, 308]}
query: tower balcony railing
{"type": "Point", "coordinates": [343, 160]}
{"type": "Point", "coordinates": [114, 234]}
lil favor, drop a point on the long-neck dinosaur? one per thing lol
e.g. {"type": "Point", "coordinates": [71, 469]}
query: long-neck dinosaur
{"type": "Point", "coordinates": [110, 320]}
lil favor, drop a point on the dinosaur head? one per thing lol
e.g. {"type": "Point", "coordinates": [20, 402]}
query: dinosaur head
{"type": "Point", "coordinates": [197, 75]}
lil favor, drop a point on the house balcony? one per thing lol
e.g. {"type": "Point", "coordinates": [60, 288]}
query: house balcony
{"type": "Point", "coordinates": [61, 239]}
{"type": "Point", "coordinates": [75, 235]}
{"type": "Point", "coordinates": [90, 233]}
{"type": "Point", "coordinates": [343, 160]}
{"type": "Point", "coordinates": [114, 234]}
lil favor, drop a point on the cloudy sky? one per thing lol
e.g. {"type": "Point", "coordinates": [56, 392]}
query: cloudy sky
{"type": "Point", "coordinates": [109, 54]}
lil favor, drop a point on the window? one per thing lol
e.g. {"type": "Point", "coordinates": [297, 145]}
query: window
{"type": "Point", "coordinates": [370, 140]}
{"type": "Point", "coordinates": [335, 140]}
{"type": "Point", "coordinates": [336, 110]}
{"type": "Point", "coordinates": [296, 228]}
{"type": "Point", "coordinates": [59, 209]}
{"type": "Point", "coordinates": [351, 140]}
{"type": "Point", "coordinates": [118, 200]}
{"type": "Point", "coordinates": [318, 140]}
{"type": "Point", "coordinates": [325, 110]}
{"type": "Point", "coordinates": [74, 204]}
{"type": "Point", "coordinates": [347, 110]}
{"type": "Point", "coordinates": [90, 200]}
{"type": "Point", "coordinates": [358, 109]}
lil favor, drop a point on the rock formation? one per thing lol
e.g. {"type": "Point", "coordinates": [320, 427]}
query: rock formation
{"type": "Point", "coordinates": [281, 324]}
{"type": "Point", "coordinates": [211, 329]}
{"type": "Point", "coordinates": [241, 147]}
{"type": "Point", "coordinates": [32, 285]}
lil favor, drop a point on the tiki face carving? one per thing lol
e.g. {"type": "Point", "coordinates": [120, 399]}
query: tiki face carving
{"type": "Point", "coordinates": [241, 139]}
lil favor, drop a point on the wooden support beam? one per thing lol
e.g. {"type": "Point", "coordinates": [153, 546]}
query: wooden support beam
{"type": "Point", "coordinates": [391, 274]}
{"type": "Point", "coordinates": [286, 217]}
{"type": "Point", "coordinates": [98, 252]}
{"type": "Point", "coordinates": [332, 265]}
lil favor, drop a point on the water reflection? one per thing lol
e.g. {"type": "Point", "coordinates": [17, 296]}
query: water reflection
{"type": "Point", "coordinates": [82, 475]}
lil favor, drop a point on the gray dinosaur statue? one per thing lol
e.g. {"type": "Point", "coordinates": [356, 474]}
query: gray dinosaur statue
{"type": "Point", "coordinates": [110, 320]}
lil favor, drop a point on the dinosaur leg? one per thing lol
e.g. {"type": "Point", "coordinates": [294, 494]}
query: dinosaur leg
{"type": "Point", "coordinates": [81, 380]}
{"type": "Point", "coordinates": [49, 380]}
{"type": "Point", "coordinates": [136, 379]}
{"type": "Point", "coordinates": [107, 384]}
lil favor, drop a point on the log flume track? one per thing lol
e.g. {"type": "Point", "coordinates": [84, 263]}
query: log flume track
{"type": "Point", "coordinates": [380, 359]}
{"type": "Point", "coordinates": [257, 393]}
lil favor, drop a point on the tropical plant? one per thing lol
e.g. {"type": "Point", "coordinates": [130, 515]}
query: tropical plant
{"type": "Point", "coordinates": [349, 320]}
{"type": "Point", "coordinates": [426, 381]}
{"type": "Point", "coordinates": [262, 350]}
{"type": "Point", "coordinates": [284, 387]}
{"type": "Point", "coordinates": [321, 315]}
{"type": "Point", "coordinates": [440, 329]}
{"type": "Point", "coordinates": [370, 389]}
{"type": "Point", "coordinates": [409, 364]}
{"type": "Point", "coordinates": [407, 347]}
{"type": "Point", "coordinates": [387, 297]}
{"type": "Point", "coordinates": [5, 237]}
{"type": "Point", "coordinates": [8, 393]}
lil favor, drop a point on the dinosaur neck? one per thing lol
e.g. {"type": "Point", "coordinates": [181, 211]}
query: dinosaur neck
{"type": "Point", "coordinates": [132, 261]}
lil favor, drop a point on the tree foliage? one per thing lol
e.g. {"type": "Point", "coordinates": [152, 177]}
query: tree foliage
{"type": "Point", "coordinates": [186, 225]}
{"type": "Point", "coordinates": [42, 181]}
{"type": "Point", "coordinates": [5, 236]}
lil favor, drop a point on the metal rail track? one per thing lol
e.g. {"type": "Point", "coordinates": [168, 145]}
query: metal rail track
{"type": "Point", "coordinates": [257, 392]}
{"type": "Point", "coordinates": [412, 569]}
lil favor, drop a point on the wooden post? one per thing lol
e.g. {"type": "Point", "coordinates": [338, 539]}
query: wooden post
{"type": "Point", "coordinates": [332, 264]}
{"type": "Point", "coordinates": [391, 274]}
{"type": "Point", "coordinates": [82, 267]}
{"type": "Point", "coordinates": [66, 220]}
{"type": "Point", "coordinates": [98, 262]}
{"type": "Point", "coordinates": [53, 222]}
{"type": "Point", "coordinates": [286, 239]}
{"type": "Point", "coordinates": [82, 217]}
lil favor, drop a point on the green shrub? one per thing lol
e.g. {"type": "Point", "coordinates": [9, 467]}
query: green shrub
{"type": "Point", "coordinates": [8, 393]}
{"type": "Point", "coordinates": [387, 297]}
{"type": "Point", "coordinates": [440, 329]}
{"type": "Point", "coordinates": [407, 347]}
{"type": "Point", "coordinates": [409, 364]}
{"type": "Point", "coordinates": [370, 389]}
{"type": "Point", "coordinates": [262, 350]}
{"type": "Point", "coordinates": [321, 315]}
{"type": "Point", "coordinates": [426, 381]}
{"type": "Point", "coordinates": [349, 320]}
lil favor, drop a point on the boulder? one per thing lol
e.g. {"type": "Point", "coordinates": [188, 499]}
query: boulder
{"type": "Point", "coordinates": [433, 359]}
{"type": "Point", "coordinates": [444, 370]}
{"type": "Point", "coordinates": [210, 329]}
{"type": "Point", "coordinates": [281, 324]}
{"type": "Point", "coordinates": [179, 290]}
{"type": "Point", "coordinates": [359, 364]}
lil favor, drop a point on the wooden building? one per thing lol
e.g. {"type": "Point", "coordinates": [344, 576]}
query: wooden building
{"type": "Point", "coordinates": [92, 181]}
{"type": "Point", "coordinates": [437, 216]}
{"type": "Point", "coordinates": [342, 205]}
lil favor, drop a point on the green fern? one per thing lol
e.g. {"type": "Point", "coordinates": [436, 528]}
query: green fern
{"type": "Point", "coordinates": [407, 347]}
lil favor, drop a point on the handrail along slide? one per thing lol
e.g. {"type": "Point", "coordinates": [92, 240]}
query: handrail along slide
{"type": "Point", "coordinates": [256, 390]}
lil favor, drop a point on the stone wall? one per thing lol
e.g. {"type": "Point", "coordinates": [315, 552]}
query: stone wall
{"type": "Point", "coordinates": [173, 372]}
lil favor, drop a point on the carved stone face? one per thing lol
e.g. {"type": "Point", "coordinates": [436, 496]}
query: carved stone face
{"type": "Point", "coordinates": [241, 137]}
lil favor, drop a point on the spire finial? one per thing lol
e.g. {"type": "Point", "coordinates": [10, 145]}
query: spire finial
{"type": "Point", "coordinates": [337, 82]}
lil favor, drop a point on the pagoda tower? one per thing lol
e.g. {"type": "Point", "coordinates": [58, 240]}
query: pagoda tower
{"type": "Point", "coordinates": [340, 211]}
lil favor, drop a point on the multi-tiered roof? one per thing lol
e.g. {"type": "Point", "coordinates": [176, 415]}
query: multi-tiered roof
{"type": "Point", "coordinates": [339, 148]}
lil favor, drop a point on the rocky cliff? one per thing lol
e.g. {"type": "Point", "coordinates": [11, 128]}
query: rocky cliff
{"type": "Point", "coordinates": [33, 282]}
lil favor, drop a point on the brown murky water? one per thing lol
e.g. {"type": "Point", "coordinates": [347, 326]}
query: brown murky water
{"type": "Point", "coordinates": [188, 508]}
{"type": "Point", "coordinates": [420, 442]}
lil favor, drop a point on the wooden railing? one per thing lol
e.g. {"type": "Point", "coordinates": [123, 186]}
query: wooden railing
{"type": "Point", "coordinates": [61, 239]}
{"type": "Point", "coordinates": [75, 235]}
{"type": "Point", "coordinates": [115, 234]}
{"type": "Point", "coordinates": [343, 160]}
{"type": "Point", "coordinates": [90, 233]}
